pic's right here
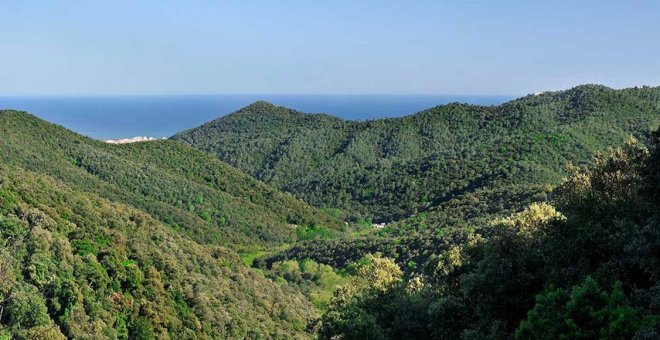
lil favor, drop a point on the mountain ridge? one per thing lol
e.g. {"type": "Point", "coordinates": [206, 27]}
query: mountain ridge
{"type": "Point", "coordinates": [124, 169]}
{"type": "Point", "coordinates": [261, 104]}
{"type": "Point", "coordinates": [307, 154]}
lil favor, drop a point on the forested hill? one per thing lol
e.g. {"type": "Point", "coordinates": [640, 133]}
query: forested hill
{"type": "Point", "coordinates": [78, 265]}
{"type": "Point", "coordinates": [585, 267]}
{"type": "Point", "coordinates": [138, 241]}
{"type": "Point", "coordinates": [182, 187]}
{"type": "Point", "coordinates": [495, 158]}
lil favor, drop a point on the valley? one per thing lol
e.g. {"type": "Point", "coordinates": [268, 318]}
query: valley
{"type": "Point", "coordinates": [456, 221]}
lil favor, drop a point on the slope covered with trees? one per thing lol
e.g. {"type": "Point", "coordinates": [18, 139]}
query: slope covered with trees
{"type": "Point", "coordinates": [139, 241]}
{"type": "Point", "coordinates": [585, 268]}
{"type": "Point", "coordinates": [180, 186]}
{"type": "Point", "coordinates": [453, 162]}
{"type": "Point", "coordinates": [77, 265]}
{"type": "Point", "coordinates": [484, 239]}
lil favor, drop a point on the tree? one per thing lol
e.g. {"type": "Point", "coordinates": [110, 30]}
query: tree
{"type": "Point", "coordinates": [361, 310]}
{"type": "Point", "coordinates": [587, 311]}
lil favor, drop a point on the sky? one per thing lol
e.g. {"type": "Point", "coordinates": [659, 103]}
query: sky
{"type": "Point", "coordinates": [159, 47]}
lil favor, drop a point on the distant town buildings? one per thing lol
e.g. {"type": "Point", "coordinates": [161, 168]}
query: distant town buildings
{"type": "Point", "coordinates": [130, 140]}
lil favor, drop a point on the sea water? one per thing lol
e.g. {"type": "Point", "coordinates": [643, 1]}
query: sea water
{"type": "Point", "coordinates": [113, 117]}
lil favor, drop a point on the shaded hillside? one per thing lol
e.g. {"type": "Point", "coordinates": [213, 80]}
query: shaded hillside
{"type": "Point", "coordinates": [182, 187]}
{"type": "Point", "coordinates": [481, 159]}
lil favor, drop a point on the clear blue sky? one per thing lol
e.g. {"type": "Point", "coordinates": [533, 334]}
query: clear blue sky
{"type": "Point", "coordinates": [80, 47]}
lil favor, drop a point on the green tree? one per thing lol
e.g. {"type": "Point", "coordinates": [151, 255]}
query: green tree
{"type": "Point", "coordinates": [586, 311]}
{"type": "Point", "coordinates": [360, 310]}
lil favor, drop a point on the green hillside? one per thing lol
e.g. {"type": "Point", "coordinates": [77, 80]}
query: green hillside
{"type": "Point", "coordinates": [585, 267]}
{"type": "Point", "coordinates": [182, 187]}
{"type": "Point", "coordinates": [76, 264]}
{"type": "Point", "coordinates": [453, 162]}
{"type": "Point", "coordinates": [483, 238]}
{"type": "Point", "coordinates": [139, 241]}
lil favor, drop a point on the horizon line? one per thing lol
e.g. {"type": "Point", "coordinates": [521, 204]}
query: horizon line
{"type": "Point", "coordinates": [256, 94]}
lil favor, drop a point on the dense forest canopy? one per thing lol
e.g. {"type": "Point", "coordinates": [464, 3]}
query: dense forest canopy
{"type": "Point", "coordinates": [500, 223]}
{"type": "Point", "coordinates": [455, 161]}
{"type": "Point", "coordinates": [180, 186]}
{"type": "Point", "coordinates": [585, 269]}
{"type": "Point", "coordinates": [76, 265]}
{"type": "Point", "coordinates": [138, 241]}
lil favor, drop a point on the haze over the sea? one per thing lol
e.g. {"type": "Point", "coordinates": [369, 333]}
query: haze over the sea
{"type": "Point", "coordinates": [115, 117]}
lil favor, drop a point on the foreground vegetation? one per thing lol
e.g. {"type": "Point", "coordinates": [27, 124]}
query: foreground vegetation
{"type": "Point", "coordinates": [138, 241]}
{"type": "Point", "coordinates": [77, 265]}
{"type": "Point", "coordinates": [483, 238]}
{"type": "Point", "coordinates": [585, 269]}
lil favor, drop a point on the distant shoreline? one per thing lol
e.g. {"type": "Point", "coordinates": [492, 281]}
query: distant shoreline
{"type": "Point", "coordinates": [131, 140]}
{"type": "Point", "coordinates": [105, 118]}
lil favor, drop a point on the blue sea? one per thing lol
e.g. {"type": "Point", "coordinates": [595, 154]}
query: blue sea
{"type": "Point", "coordinates": [112, 117]}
